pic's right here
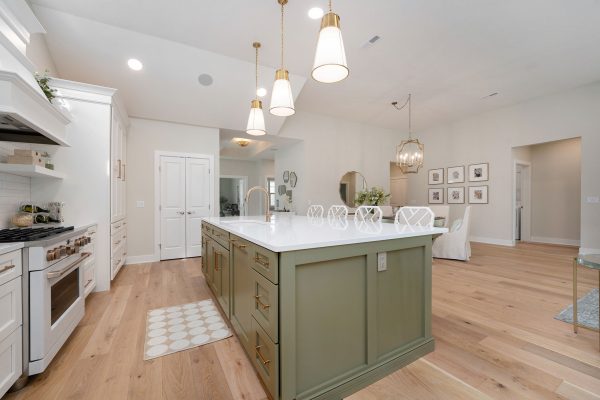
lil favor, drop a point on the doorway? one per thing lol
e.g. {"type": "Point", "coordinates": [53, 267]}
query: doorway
{"type": "Point", "coordinates": [184, 197]}
{"type": "Point", "coordinates": [232, 190]}
{"type": "Point", "coordinates": [522, 201]}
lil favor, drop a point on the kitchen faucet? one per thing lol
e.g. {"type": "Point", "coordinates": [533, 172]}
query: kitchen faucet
{"type": "Point", "coordinates": [267, 197]}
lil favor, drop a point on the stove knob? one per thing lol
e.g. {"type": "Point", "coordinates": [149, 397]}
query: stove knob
{"type": "Point", "coordinates": [50, 255]}
{"type": "Point", "coordinates": [70, 250]}
{"type": "Point", "coordinates": [62, 251]}
{"type": "Point", "coordinates": [78, 242]}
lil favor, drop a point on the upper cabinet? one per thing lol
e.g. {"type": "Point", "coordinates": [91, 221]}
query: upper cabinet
{"type": "Point", "coordinates": [118, 139]}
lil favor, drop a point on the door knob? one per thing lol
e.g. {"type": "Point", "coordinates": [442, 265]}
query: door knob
{"type": "Point", "coordinates": [181, 212]}
{"type": "Point", "coordinates": [190, 212]}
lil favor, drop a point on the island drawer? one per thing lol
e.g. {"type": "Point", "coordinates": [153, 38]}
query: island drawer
{"type": "Point", "coordinates": [265, 357]}
{"type": "Point", "coordinates": [221, 237]}
{"type": "Point", "coordinates": [265, 262]}
{"type": "Point", "coordinates": [10, 266]}
{"type": "Point", "coordinates": [265, 308]}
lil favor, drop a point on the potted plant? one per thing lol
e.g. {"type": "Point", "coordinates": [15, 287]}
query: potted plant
{"type": "Point", "coordinates": [371, 197]}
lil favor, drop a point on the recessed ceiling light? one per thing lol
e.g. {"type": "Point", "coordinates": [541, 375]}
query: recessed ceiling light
{"type": "Point", "coordinates": [135, 64]}
{"type": "Point", "coordinates": [205, 79]}
{"type": "Point", "coordinates": [261, 92]}
{"type": "Point", "coordinates": [315, 13]}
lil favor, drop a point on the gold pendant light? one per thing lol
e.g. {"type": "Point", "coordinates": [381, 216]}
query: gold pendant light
{"type": "Point", "coordinates": [330, 57]}
{"type": "Point", "coordinates": [409, 153]}
{"type": "Point", "coordinates": [282, 101]}
{"type": "Point", "coordinates": [256, 119]}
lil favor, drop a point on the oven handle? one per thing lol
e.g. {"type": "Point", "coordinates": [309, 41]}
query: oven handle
{"type": "Point", "coordinates": [58, 274]}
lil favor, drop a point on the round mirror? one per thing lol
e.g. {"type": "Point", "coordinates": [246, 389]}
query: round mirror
{"type": "Point", "coordinates": [351, 183]}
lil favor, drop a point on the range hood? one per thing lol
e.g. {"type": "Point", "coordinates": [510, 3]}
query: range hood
{"type": "Point", "coordinates": [27, 116]}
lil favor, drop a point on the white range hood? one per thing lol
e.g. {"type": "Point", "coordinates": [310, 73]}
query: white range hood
{"type": "Point", "coordinates": [25, 113]}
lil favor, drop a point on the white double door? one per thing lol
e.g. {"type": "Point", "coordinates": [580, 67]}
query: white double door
{"type": "Point", "coordinates": [184, 199]}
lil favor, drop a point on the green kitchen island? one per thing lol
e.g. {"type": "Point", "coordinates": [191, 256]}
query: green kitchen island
{"type": "Point", "coordinates": [322, 307]}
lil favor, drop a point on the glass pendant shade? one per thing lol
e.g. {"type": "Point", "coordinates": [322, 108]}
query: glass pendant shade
{"type": "Point", "coordinates": [282, 101]}
{"type": "Point", "coordinates": [330, 58]}
{"type": "Point", "coordinates": [256, 120]}
{"type": "Point", "coordinates": [409, 156]}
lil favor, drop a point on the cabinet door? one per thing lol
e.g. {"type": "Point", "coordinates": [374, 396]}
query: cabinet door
{"type": "Point", "coordinates": [210, 260]}
{"type": "Point", "coordinates": [204, 254]}
{"type": "Point", "coordinates": [242, 299]}
{"type": "Point", "coordinates": [123, 152]}
{"type": "Point", "coordinates": [115, 172]}
{"type": "Point", "coordinates": [223, 286]}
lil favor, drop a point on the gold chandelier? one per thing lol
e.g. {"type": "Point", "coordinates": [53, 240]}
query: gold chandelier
{"type": "Point", "coordinates": [409, 153]}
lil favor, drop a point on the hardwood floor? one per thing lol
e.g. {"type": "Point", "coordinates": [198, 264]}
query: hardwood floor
{"type": "Point", "coordinates": [493, 320]}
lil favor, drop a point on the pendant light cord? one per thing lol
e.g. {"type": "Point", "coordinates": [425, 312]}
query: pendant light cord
{"type": "Point", "coordinates": [282, 36]}
{"type": "Point", "coordinates": [407, 102]}
{"type": "Point", "coordinates": [330, 6]}
{"type": "Point", "coordinates": [256, 91]}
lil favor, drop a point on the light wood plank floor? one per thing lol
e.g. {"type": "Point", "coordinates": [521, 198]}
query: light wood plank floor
{"type": "Point", "coordinates": [492, 320]}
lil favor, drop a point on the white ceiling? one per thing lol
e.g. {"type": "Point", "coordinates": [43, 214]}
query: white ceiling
{"type": "Point", "coordinates": [260, 147]}
{"type": "Point", "coordinates": [449, 54]}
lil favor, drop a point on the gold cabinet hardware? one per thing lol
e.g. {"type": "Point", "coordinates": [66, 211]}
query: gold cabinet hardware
{"type": "Point", "coordinates": [264, 263]}
{"type": "Point", "coordinates": [217, 255]}
{"type": "Point", "coordinates": [6, 268]}
{"type": "Point", "coordinates": [119, 162]}
{"type": "Point", "coordinates": [260, 356]}
{"type": "Point", "coordinates": [239, 246]}
{"type": "Point", "coordinates": [260, 303]}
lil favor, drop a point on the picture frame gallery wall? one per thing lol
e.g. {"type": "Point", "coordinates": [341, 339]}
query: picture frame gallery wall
{"type": "Point", "coordinates": [475, 194]}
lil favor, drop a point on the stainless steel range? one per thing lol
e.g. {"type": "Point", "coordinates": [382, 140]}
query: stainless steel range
{"type": "Point", "coordinates": [53, 290]}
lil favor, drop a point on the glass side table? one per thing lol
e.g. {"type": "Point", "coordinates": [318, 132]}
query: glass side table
{"type": "Point", "coordinates": [591, 261]}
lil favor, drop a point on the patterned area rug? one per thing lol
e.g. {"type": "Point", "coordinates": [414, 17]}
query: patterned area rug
{"type": "Point", "coordinates": [177, 328]}
{"type": "Point", "coordinates": [587, 311]}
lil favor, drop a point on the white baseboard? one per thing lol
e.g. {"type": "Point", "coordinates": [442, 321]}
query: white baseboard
{"type": "Point", "coordinates": [584, 250]}
{"type": "Point", "coordinates": [550, 240]}
{"type": "Point", "coordinates": [141, 259]}
{"type": "Point", "coordinates": [486, 240]}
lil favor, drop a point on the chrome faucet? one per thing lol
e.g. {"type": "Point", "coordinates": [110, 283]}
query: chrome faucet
{"type": "Point", "coordinates": [267, 197]}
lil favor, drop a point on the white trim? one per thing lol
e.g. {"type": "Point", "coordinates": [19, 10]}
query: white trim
{"type": "Point", "coordinates": [147, 258]}
{"type": "Point", "coordinates": [499, 242]}
{"type": "Point", "coordinates": [550, 240]}
{"type": "Point", "coordinates": [584, 250]}
{"type": "Point", "coordinates": [157, 155]}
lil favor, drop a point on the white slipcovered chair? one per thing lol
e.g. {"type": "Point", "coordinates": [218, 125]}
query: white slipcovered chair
{"type": "Point", "coordinates": [441, 211]}
{"type": "Point", "coordinates": [415, 216]}
{"type": "Point", "coordinates": [336, 211]}
{"type": "Point", "coordinates": [368, 213]}
{"type": "Point", "coordinates": [315, 211]}
{"type": "Point", "coordinates": [455, 244]}
{"type": "Point", "coordinates": [388, 211]}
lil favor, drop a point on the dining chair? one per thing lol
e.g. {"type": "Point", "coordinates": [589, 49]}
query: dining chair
{"type": "Point", "coordinates": [455, 244]}
{"type": "Point", "coordinates": [315, 211]}
{"type": "Point", "coordinates": [368, 213]}
{"type": "Point", "coordinates": [336, 211]}
{"type": "Point", "coordinates": [415, 216]}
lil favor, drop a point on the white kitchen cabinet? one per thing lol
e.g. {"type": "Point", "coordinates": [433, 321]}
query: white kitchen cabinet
{"type": "Point", "coordinates": [89, 268]}
{"type": "Point", "coordinates": [118, 138]}
{"type": "Point", "coordinates": [11, 320]}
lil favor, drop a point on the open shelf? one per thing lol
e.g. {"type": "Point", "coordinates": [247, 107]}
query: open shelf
{"type": "Point", "coordinates": [31, 171]}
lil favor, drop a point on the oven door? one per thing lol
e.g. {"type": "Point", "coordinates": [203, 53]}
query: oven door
{"type": "Point", "coordinates": [56, 306]}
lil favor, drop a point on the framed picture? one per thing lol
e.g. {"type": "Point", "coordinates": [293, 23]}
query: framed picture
{"type": "Point", "coordinates": [478, 194]}
{"type": "Point", "coordinates": [436, 176]}
{"type": "Point", "coordinates": [436, 196]}
{"type": "Point", "coordinates": [293, 179]}
{"type": "Point", "coordinates": [456, 195]}
{"type": "Point", "coordinates": [286, 176]}
{"type": "Point", "coordinates": [456, 174]}
{"type": "Point", "coordinates": [478, 172]}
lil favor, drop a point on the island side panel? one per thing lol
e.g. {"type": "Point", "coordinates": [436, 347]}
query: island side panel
{"type": "Point", "coordinates": [345, 325]}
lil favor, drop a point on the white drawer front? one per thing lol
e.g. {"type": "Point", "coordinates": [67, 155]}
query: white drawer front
{"type": "Point", "coordinates": [118, 227]}
{"type": "Point", "coordinates": [11, 312]}
{"type": "Point", "coordinates": [10, 266]}
{"type": "Point", "coordinates": [11, 355]}
{"type": "Point", "coordinates": [89, 278]}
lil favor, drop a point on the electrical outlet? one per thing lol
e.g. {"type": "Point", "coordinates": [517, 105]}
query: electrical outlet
{"type": "Point", "coordinates": [381, 262]}
{"type": "Point", "coordinates": [140, 204]}
{"type": "Point", "coordinates": [593, 199]}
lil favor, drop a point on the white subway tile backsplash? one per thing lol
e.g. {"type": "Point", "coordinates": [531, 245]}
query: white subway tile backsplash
{"type": "Point", "coordinates": [14, 189]}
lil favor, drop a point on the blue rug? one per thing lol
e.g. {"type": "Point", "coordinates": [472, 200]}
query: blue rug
{"type": "Point", "coordinates": [587, 311]}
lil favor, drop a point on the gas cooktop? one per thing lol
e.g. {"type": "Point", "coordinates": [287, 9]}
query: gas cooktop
{"type": "Point", "coordinates": [31, 234]}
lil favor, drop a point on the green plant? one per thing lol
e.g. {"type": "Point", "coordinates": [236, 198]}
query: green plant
{"type": "Point", "coordinates": [372, 197]}
{"type": "Point", "coordinates": [43, 80]}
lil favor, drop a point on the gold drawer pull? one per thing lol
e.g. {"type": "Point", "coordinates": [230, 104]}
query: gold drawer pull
{"type": "Point", "coordinates": [7, 267]}
{"type": "Point", "coordinates": [239, 246]}
{"type": "Point", "coordinates": [260, 303]}
{"type": "Point", "coordinates": [264, 263]}
{"type": "Point", "coordinates": [262, 359]}
{"type": "Point", "coordinates": [87, 283]}
{"type": "Point", "coordinates": [217, 254]}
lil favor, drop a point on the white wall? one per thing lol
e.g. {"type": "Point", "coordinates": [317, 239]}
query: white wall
{"type": "Point", "coordinates": [556, 192]}
{"type": "Point", "coordinates": [330, 148]}
{"type": "Point", "coordinates": [144, 138]}
{"type": "Point", "coordinates": [489, 137]}
{"type": "Point", "coordinates": [38, 53]}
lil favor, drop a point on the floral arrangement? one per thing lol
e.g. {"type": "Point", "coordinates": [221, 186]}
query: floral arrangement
{"type": "Point", "coordinates": [43, 80]}
{"type": "Point", "coordinates": [371, 197]}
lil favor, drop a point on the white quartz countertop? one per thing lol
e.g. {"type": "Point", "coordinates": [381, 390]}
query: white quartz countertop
{"type": "Point", "coordinates": [288, 233]}
{"type": "Point", "coordinates": [8, 247]}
